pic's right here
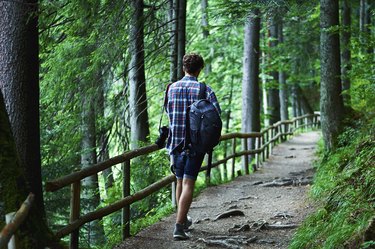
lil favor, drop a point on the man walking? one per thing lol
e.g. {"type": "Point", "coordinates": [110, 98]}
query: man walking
{"type": "Point", "coordinates": [186, 163]}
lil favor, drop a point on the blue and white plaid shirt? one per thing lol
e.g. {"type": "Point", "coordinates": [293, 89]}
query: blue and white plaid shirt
{"type": "Point", "coordinates": [181, 95]}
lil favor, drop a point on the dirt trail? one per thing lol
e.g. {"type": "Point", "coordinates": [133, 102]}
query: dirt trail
{"type": "Point", "coordinates": [259, 196]}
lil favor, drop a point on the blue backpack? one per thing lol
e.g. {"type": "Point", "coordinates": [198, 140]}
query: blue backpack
{"type": "Point", "coordinates": [203, 127]}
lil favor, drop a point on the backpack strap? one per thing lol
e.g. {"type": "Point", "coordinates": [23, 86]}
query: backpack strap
{"type": "Point", "coordinates": [202, 90]}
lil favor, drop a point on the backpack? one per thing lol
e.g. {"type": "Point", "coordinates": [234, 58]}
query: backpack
{"type": "Point", "coordinates": [203, 127]}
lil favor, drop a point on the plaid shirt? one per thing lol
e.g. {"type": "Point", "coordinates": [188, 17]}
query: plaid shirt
{"type": "Point", "coordinates": [181, 95]}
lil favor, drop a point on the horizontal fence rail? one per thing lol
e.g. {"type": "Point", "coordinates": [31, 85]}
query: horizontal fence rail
{"type": "Point", "coordinates": [264, 142]}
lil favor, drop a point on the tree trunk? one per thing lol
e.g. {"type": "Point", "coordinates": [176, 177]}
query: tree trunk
{"type": "Point", "coordinates": [103, 135]}
{"type": "Point", "coordinates": [90, 193]}
{"type": "Point", "coordinates": [173, 19]}
{"type": "Point", "coordinates": [331, 103]}
{"type": "Point", "coordinates": [20, 160]}
{"type": "Point", "coordinates": [19, 82]}
{"type": "Point", "coordinates": [250, 81]}
{"type": "Point", "coordinates": [345, 54]}
{"type": "Point", "coordinates": [303, 103]}
{"type": "Point", "coordinates": [364, 16]}
{"type": "Point", "coordinates": [181, 36]}
{"type": "Point", "coordinates": [137, 84]}
{"type": "Point", "coordinates": [273, 88]}
{"type": "Point", "coordinates": [283, 93]}
{"type": "Point", "coordinates": [206, 33]}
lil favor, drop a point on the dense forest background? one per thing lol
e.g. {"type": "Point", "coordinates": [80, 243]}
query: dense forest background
{"type": "Point", "coordinates": [102, 68]}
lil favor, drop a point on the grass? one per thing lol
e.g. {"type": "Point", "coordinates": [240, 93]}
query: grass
{"type": "Point", "coordinates": [344, 188]}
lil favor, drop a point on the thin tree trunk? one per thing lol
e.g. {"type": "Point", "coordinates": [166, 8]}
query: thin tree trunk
{"type": "Point", "coordinates": [228, 117]}
{"type": "Point", "coordinates": [331, 103]}
{"type": "Point", "coordinates": [90, 193]}
{"type": "Point", "coordinates": [283, 93]}
{"type": "Point", "coordinates": [137, 84]}
{"type": "Point", "coordinates": [346, 54]}
{"type": "Point", "coordinates": [103, 135]}
{"type": "Point", "coordinates": [303, 102]}
{"type": "Point", "coordinates": [250, 81]}
{"type": "Point", "coordinates": [206, 33]}
{"type": "Point", "coordinates": [20, 159]}
{"type": "Point", "coordinates": [181, 36]}
{"type": "Point", "coordinates": [173, 19]}
{"type": "Point", "coordinates": [273, 89]}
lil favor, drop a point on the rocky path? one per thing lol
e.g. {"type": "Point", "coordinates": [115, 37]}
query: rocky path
{"type": "Point", "coordinates": [266, 206]}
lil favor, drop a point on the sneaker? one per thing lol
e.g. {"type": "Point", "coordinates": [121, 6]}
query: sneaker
{"type": "Point", "coordinates": [188, 222]}
{"type": "Point", "coordinates": [178, 233]}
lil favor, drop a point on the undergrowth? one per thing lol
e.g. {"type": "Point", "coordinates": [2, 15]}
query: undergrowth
{"type": "Point", "coordinates": [344, 189]}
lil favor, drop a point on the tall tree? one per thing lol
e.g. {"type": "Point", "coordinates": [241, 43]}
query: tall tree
{"type": "Point", "coordinates": [19, 83]}
{"type": "Point", "coordinates": [181, 36]}
{"type": "Point", "coordinates": [90, 193]}
{"type": "Point", "coordinates": [137, 83]}
{"type": "Point", "coordinates": [283, 92]}
{"type": "Point", "coordinates": [345, 53]}
{"type": "Point", "coordinates": [250, 81]}
{"type": "Point", "coordinates": [273, 87]}
{"type": "Point", "coordinates": [173, 19]}
{"type": "Point", "coordinates": [331, 102]}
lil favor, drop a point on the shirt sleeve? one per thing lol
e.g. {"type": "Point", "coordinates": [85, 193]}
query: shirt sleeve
{"type": "Point", "coordinates": [212, 98]}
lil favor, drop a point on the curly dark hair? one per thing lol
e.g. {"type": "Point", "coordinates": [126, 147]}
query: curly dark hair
{"type": "Point", "coordinates": [192, 63]}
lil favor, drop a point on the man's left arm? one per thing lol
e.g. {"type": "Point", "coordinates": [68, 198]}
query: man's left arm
{"type": "Point", "coordinates": [212, 98]}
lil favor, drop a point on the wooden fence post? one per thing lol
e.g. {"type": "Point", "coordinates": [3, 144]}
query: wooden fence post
{"type": "Point", "coordinates": [279, 131]}
{"type": "Point", "coordinates": [225, 169]}
{"type": "Point", "coordinates": [12, 244]}
{"type": "Point", "coordinates": [126, 192]}
{"type": "Point", "coordinates": [267, 147]}
{"type": "Point", "coordinates": [263, 150]}
{"type": "Point", "coordinates": [271, 143]}
{"type": "Point", "coordinates": [257, 154]}
{"type": "Point", "coordinates": [234, 158]}
{"type": "Point", "coordinates": [75, 209]}
{"type": "Point", "coordinates": [246, 158]}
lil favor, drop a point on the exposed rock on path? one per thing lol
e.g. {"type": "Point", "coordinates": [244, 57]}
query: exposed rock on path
{"type": "Point", "coordinates": [271, 213]}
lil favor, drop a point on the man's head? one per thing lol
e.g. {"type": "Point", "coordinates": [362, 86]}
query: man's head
{"type": "Point", "coordinates": [193, 63]}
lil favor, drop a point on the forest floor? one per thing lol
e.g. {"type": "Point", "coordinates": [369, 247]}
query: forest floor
{"type": "Point", "coordinates": [274, 201]}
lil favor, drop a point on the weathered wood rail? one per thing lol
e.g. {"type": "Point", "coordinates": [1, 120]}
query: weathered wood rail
{"type": "Point", "coordinates": [14, 223]}
{"type": "Point", "coordinates": [264, 142]}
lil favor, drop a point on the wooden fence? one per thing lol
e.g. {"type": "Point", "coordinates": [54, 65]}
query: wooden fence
{"type": "Point", "coordinates": [264, 142]}
{"type": "Point", "coordinates": [14, 220]}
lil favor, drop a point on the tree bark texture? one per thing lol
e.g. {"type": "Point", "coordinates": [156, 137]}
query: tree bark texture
{"type": "Point", "coordinates": [19, 82]}
{"type": "Point", "coordinates": [331, 103]}
{"type": "Point", "coordinates": [138, 101]}
{"type": "Point", "coordinates": [273, 87]}
{"type": "Point", "coordinates": [181, 36]}
{"type": "Point", "coordinates": [90, 185]}
{"type": "Point", "coordinates": [14, 188]}
{"type": "Point", "coordinates": [173, 19]}
{"type": "Point", "coordinates": [283, 92]}
{"type": "Point", "coordinates": [250, 82]}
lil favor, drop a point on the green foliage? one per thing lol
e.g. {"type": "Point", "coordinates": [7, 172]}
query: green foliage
{"type": "Point", "coordinates": [344, 186]}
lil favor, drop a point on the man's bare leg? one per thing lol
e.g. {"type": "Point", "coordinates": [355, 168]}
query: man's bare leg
{"type": "Point", "coordinates": [185, 199]}
{"type": "Point", "coordinates": [178, 190]}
